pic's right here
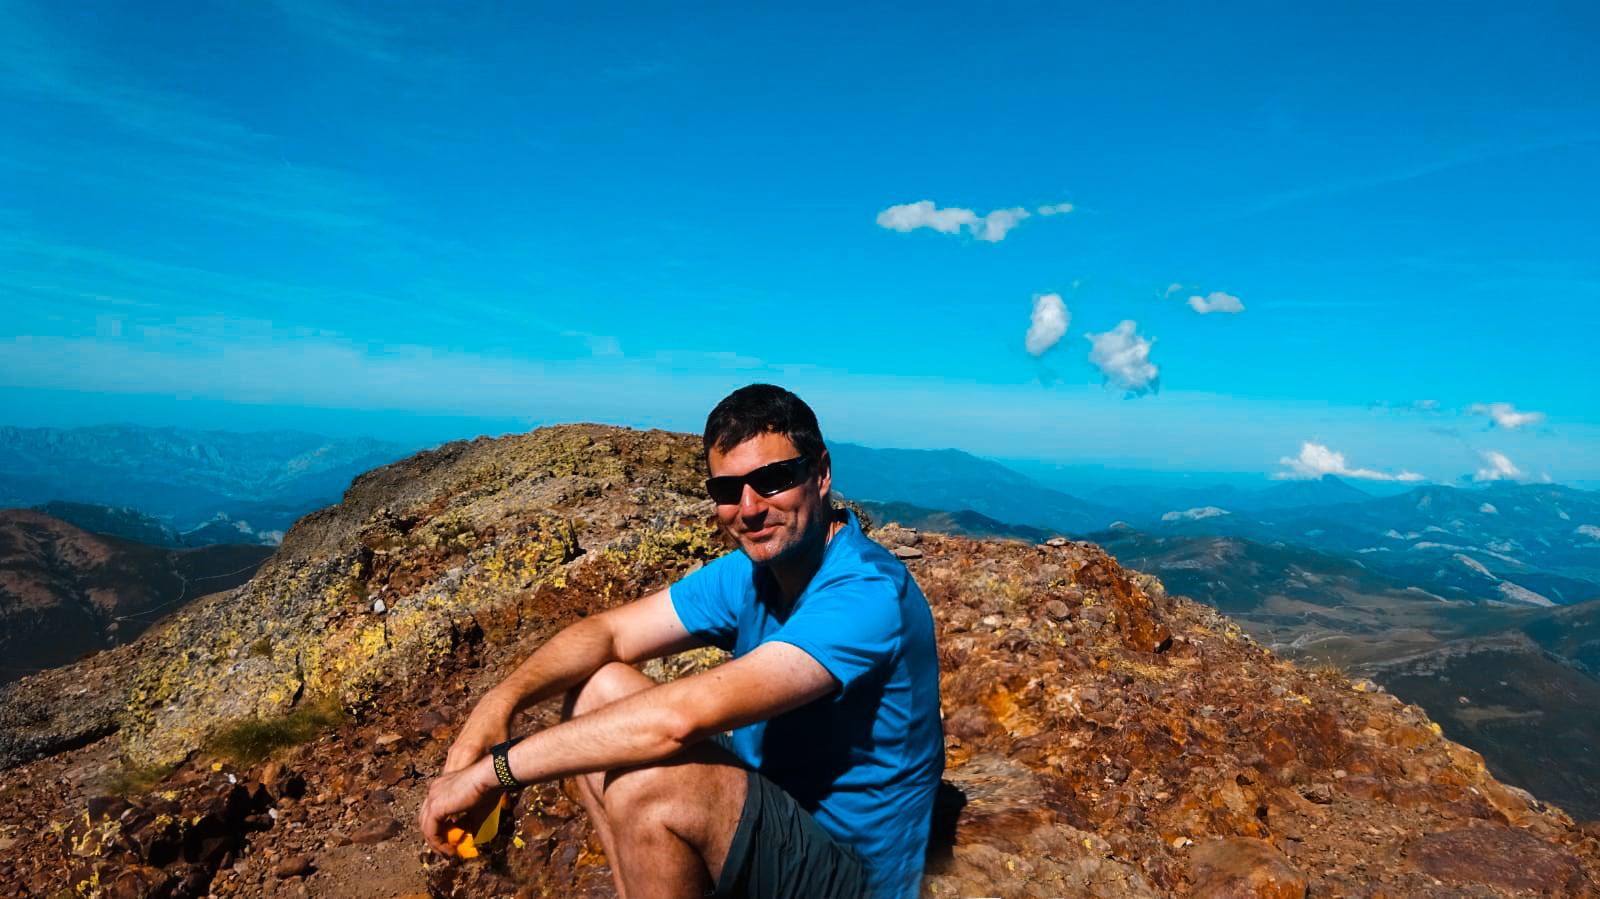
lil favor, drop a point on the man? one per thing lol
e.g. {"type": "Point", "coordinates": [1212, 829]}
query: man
{"type": "Point", "coordinates": [826, 785]}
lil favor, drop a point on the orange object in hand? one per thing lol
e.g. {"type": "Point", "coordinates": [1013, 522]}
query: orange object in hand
{"type": "Point", "coordinates": [466, 844]}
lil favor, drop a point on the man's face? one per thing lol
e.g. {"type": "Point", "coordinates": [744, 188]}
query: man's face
{"type": "Point", "coordinates": [773, 527]}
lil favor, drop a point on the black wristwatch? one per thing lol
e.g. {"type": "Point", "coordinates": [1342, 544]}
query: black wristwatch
{"type": "Point", "coordinates": [502, 766]}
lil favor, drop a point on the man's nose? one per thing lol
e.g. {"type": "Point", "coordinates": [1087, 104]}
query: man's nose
{"type": "Point", "coordinates": [750, 502]}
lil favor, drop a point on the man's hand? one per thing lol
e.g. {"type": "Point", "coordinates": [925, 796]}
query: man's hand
{"type": "Point", "coordinates": [487, 726]}
{"type": "Point", "coordinates": [451, 797]}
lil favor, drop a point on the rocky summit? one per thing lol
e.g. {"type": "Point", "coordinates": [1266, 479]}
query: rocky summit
{"type": "Point", "coordinates": [1104, 738]}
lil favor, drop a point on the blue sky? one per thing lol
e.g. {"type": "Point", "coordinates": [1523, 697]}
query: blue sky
{"type": "Point", "coordinates": [420, 222]}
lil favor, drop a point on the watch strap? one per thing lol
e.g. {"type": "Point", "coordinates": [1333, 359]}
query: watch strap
{"type": "Point", "coordinates": [502, 766]}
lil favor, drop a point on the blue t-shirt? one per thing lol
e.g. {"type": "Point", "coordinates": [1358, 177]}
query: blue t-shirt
{"type": "Point", "coordinates": [865, 760]}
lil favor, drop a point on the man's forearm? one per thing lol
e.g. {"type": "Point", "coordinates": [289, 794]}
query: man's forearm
{"type": "Point", "coordinates": [648, 726]}
{"type": "Point", "coordinates": [563, 662]}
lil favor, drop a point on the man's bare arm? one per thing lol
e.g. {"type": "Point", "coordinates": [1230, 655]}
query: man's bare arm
{"type": "Point", "coordinates": [658, 723]}
{"type": "Point", "coordinates": [641, 630]}
{"type": "Point", "coordinates": [649, 726]}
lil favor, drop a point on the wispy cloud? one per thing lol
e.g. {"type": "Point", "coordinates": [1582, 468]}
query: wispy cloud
{"type": "Point", "coordinates": [1505, 415]}
{"type": "Point", "coordinates": [1123, 358]}
{"type": "Point", "coordinates": [343, 27]}
{"type": "Point", "coordinates": [1424, 407]}
{"type": "Point", "coordinates": [1470, 156]}
{"type": "Point", "coordinates": [990, 227]}
{"type": "Point", "coordinates": [1216, 301]}
{"type": "Point", "coordinates": [1316, 460]}
{"type": "Point", "coordinates": [1048, 323]}
{"type": "Point", "coordinates": [250, 361]}
{"type": "Point", "coordinates": [39, 65]}
{"type": "Point", "coordinates": [181, 156]}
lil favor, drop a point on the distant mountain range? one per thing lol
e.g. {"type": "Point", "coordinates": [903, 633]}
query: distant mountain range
{"type": "Point", "coordinates": [955, 480]}
{"type": "Point", "coordinates": [1521, 543]}
{"type": "Point", "coordinates": [237, 486]}
{"type": "Point", "coordinates": [1537, 544]}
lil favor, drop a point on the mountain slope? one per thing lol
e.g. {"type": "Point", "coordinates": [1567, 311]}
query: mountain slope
{"type": "Point", "coordinates": [65, 592]}
{"type": "Point", "coordinates": [966, 523]}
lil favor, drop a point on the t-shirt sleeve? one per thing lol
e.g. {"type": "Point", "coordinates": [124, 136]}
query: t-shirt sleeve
{"type": "Point", "coordinates": [851, 627]}
{"type": "Point", "coordinates": [708, 600]}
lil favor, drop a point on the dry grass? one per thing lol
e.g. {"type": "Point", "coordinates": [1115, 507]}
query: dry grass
{"type": "Point", "coordinates": [250, 741]}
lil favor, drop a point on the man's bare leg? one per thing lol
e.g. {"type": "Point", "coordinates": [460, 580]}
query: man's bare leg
{"type": "Point", "coordinates": [588, 789]}
{"type": "Point", "coordinates": [666, 828]}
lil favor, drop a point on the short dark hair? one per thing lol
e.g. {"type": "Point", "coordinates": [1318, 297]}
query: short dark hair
{"type": "Point", "coordinates": [763, 409]}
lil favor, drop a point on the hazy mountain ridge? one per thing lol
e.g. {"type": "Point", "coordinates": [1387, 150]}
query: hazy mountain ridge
{"type": "Point", "coordinates": [954, 480]}
{"type": "Point", "coordinates": [1504, 543]}
{"type": "Point", "coordinates": [965, 523]}
{"type": "Point", "coordinates": [186, 479]}
{"type": "Point", "coordinates": [1515, 543]}
{"type": "Point", "coordinates": [125, 522]}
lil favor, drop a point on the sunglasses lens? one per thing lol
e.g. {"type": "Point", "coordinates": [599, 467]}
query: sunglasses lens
{"type": "Point", "coordinates": [771, 479]}
{"type": "Point", "coordinates": [725, 490]}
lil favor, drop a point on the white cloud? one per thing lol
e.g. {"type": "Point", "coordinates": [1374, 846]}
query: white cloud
{"type": "Point", "coordinates": [1506, 415]}
{"type": "Point", "coordinates": [1217, 301]}
{"type": "Point", "coordinates": [1195, 514]}
{"type": "Point", "coordinates": [1050, 320]}
{"type": "Point", "coordinates": [1488, 509]}
{"type": "Point", "coordinates": [1123, 358]}
{"type": "Point", "coordinates": [1055, 209]}
{"type": "Point", "coordinates": [993, 227]}
{"type": "Point", "coordinates": [1590, 531]}
{"type": "Point", "coordinates": [1316, 460]}
{"type": "Point", "coordinates": [1173, 289]}
{"type": "Point", "coordinates": [1425, 405]}
{"type": "Point", "coordinates": [923, 214]}
{"type": "Point", "coordinates": [990, 228]}
{"type": "Point", "coordinates": [1499, 468]}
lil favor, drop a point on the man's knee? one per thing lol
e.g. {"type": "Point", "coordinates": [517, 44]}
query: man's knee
{"type": "Point", "coordinates": [694, 795]}
{"type": "Point", "coordinates": [611, 682]}
{"type": "Point", "coordinates": [655, 796]}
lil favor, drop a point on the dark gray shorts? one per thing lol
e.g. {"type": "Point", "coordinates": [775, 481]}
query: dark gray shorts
{"type": "Point", "coordinates": [781, 852]}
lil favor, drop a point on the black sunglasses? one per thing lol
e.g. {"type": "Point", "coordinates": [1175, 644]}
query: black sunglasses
{"type": "Point", "coordinates": [768, 480]}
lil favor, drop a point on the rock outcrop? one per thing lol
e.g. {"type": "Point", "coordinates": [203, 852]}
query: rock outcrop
{"type": "Point", "coordinates": [1103, 737]}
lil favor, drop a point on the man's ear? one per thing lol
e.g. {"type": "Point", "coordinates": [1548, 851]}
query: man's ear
{"type": "Point", "coordinates": [824, 473]}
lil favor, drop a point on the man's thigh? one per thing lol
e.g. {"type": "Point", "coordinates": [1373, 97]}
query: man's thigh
{"type": "Point", "coordinates": [697, 794]}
